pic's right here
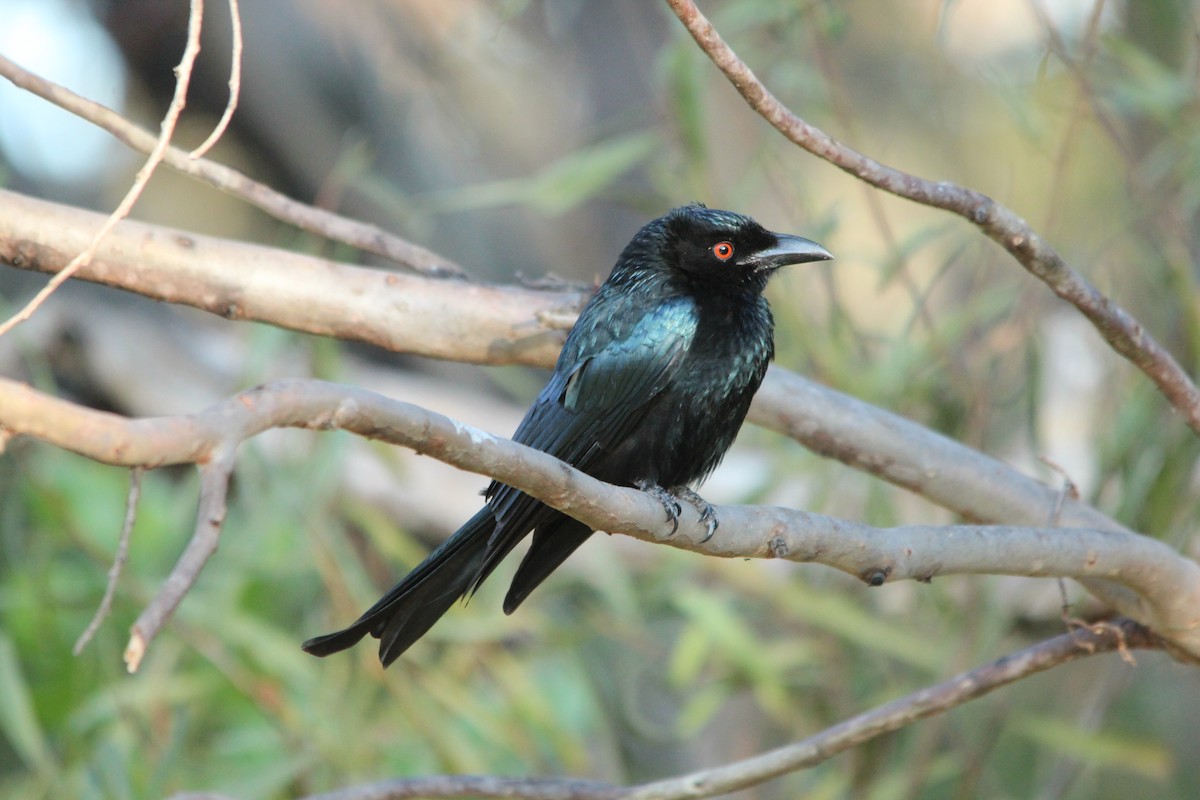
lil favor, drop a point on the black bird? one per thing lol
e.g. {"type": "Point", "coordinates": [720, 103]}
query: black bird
{"type": "Point", "coordinates": [650, 390]}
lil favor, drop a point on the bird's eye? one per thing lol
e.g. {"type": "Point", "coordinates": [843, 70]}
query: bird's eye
{"type": "Point", "coordinates": [723, 250]}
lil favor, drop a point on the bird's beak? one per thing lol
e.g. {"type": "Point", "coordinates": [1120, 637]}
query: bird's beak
{"type": "Point", "coordinates": [790, 250]}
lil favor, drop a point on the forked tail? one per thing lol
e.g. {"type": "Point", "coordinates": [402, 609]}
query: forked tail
{"type": "Point", "coordinates": [405, 613]}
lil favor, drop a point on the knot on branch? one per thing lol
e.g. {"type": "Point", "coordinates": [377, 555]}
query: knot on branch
{"type": "Point", "coordinates": [982, 211]}
{"type": "Point", "coordinates": [876, 576]}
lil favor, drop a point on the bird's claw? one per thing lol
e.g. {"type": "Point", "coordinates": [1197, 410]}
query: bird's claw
{"type": "Point", "coordinates": [708, 514]}
{"type": "Point", "coordinates": [669, 503]}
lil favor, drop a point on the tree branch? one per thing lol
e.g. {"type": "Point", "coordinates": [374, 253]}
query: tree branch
{"type": "Point", "coordinates": [1120, 635]}
{"type": "Point", "coordinates": [1167, 584]}
{"type": "Point", "coordinates": [911, 456]}
{"type": "Point", "coordinates": [513, 325]}
{"type": "Point", "coordinates": [408, 313]}
{"type": "Point", "coordinates": [1118, 327]}
{"type": "Point", "coordinates": [369, 238]}
{"type": "Point", "coordinates": [210, 516]}
{"type": "Point", "coordinates": [498, 325]}
{"type": "Point", "coordinates": [114, 572]}
{"type": "Point", "coordinates": [918, 705]}
{"type": "Point", "coordinates": [235, 83]}
{"type": "Point", "coordinates": [183, 77]}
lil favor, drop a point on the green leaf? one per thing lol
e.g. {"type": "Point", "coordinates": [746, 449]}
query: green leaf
{"type": "Point", "coordinates": [1099, 748]}
{"type": "Point", "coordinates": [689, 656]}
{"type": "Point", "coordinates": [849, 620]}
{"type": "Point", "coordinates": [558, 187]}
{"type": "Point", "coordinates": [18, 719]}
{"type": "Point", "coordinates": [726, 632]}
{"type": "Point", "coordinates": [701, 707]}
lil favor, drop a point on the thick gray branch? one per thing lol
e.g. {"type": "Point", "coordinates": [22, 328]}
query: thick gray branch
{"type": "Point", "coordinates": [409, 313]}
{"type": "Point", "coordinates": [1166, 583]}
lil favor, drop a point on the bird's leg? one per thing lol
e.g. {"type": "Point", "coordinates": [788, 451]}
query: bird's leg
{"type": "Point", "coordinates": [708, 515]}
{"type": "Point", "coordinates": [669, 503]}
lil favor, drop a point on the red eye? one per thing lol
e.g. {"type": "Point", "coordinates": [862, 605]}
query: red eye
{"type": "Point", "coordinates": [723, 250]}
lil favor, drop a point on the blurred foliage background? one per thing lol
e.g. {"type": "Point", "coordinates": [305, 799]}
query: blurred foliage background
{"type": "Point", "coordinates": [528, 138]}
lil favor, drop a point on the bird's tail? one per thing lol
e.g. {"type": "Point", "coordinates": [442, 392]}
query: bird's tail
{"type": "Point", "coordinates": [405, 613]}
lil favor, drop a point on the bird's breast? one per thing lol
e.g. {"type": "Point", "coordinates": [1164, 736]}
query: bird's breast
{"type": "Point", "coordinates": [691, 424]}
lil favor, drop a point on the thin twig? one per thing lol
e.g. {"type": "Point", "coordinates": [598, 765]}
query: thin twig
{"type": "Point", "coordinates": [210, 516]}
{"type": "Point", "coordinates": [235, 83]}
{"type": "Point", "coordinates": [183, 76]}
{"type": "Point", "coordinates": [122, 555]}
{"type": "Point", "coordinates": [895, 715]}
{"type": "Point", "coordinates": [1118, 327]}
{"type": "Point", "coordinates": [839, 104]}
{"type": "Point", "coordinates": [892, 716]}
{"type": "Point", "coordinates": [369, 238]}
{"type": "Point", "coordinates": [1082, 102]}
{"type": "Point", "coordinates": [1071, 491]}
{"type": "Point", "coordinates": [479, 786]}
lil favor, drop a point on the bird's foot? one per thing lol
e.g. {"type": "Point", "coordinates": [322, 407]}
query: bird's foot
{"type": "Point", "coordinates": [708, 514]}
{"type": "Point", "coordinates": [670, 499]}
{"type": "Point", "coordinates": [669, 503]}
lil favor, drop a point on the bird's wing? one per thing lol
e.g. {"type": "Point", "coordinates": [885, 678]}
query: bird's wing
{"type": "Point", "coordinates": [591, 403]}
{"type": "Point", "coordinates": [612, 378]}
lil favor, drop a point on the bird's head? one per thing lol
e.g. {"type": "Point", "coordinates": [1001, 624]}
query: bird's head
{"type": "Point", "coordinates": [719, 247]}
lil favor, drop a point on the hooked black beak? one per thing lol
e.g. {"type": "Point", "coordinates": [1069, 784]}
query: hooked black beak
{"type": "Point", "coordinates": [787, 250]}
